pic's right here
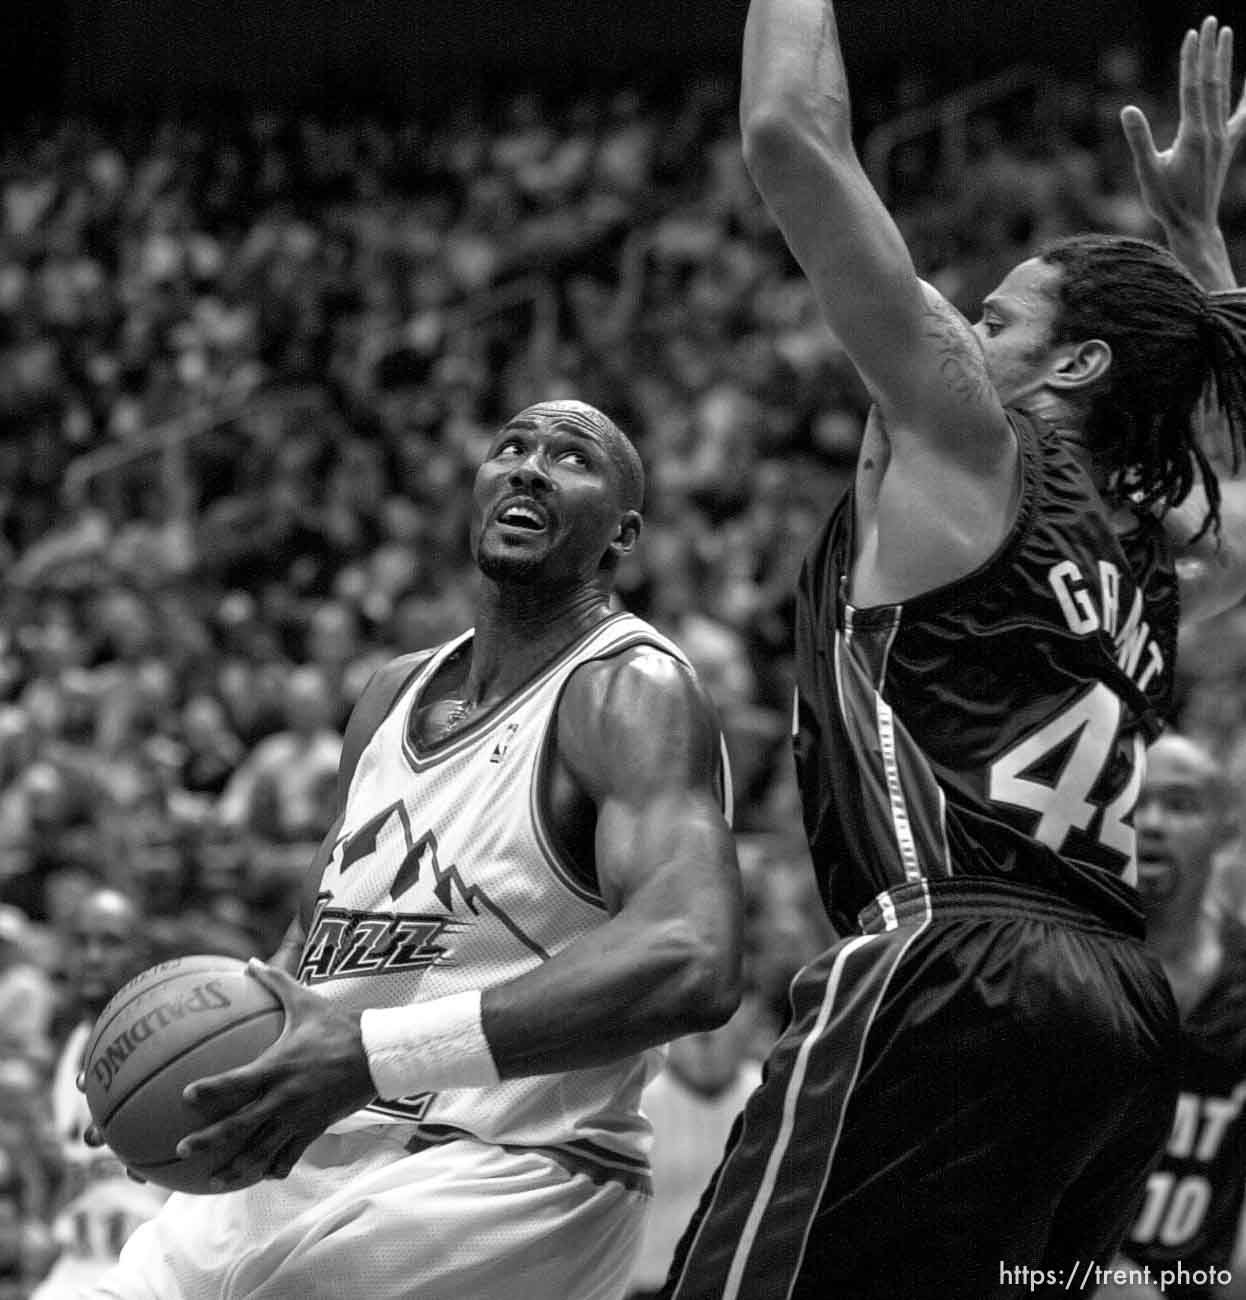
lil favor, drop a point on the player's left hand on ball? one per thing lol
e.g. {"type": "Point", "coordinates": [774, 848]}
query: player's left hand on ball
{"type": "Point", "coordinates": [94, 1138]}
{"type": "Point", "coordinates": [266, 1114]}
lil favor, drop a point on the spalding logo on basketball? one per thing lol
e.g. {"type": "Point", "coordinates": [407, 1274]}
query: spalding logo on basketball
{"type": "Point", "coordinates": [176, 1022]}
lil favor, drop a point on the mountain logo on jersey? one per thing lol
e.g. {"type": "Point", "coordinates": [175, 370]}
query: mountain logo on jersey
{"type": "Point", "coordinates": [345, 942]}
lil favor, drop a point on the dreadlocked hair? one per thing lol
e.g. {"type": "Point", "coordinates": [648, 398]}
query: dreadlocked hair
{"type": "Point", "coordinates": [1173, 345]}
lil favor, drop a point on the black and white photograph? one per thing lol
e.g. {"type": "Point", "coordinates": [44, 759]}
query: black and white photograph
{"type": "Point", "coordinates": [622, 650]}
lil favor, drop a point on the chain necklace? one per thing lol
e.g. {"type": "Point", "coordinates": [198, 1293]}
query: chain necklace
{"type": "Point", "coordinates": [444, 716]}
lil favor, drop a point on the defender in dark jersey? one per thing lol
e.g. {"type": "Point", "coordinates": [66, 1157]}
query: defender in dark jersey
{"type": "Point", "coordinates": [1180, 1244]}
{"type": "Point", "coordinates": [1025, 694]}
{"type": "Point", "coordinates": [976, 1080]}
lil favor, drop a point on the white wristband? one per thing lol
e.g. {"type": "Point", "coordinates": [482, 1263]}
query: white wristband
{"type": "Point", "coordinates": [428, 1046]}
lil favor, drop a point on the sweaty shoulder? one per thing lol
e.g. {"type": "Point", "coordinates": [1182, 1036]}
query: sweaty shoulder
{"type": "Point", "coordinates": [640, 718]}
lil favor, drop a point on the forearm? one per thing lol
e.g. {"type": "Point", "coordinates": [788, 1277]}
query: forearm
{"type": "Point", "coordinates": [634, 984]}
{"type": "Point", "coordinates": [793, 65]}
{"type": "Point", "coordinates": [666, 965]}
{"type": "Point", "coordinates": [916, 354]}
{"type": "Point", "coordinates": [602, 999]}
{"type": "Point", "coordinates": [1202, 250]}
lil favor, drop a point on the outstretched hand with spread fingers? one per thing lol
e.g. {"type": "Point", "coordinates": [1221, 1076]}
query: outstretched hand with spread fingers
{"type": "Point", "coordinates": [1181, 185]}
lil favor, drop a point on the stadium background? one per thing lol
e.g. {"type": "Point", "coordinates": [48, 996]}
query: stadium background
{"type": "Point", "coordinates": [270, 273]}
{"type": "Point", "coordinates": [73, 53]}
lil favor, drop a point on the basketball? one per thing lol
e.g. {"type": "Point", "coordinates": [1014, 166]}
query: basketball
{"type": "Point", "coordinates": [178, 1021]}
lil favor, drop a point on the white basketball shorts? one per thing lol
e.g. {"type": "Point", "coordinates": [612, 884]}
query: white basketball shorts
{"type": "Point", "coordinates": [360, 1215]}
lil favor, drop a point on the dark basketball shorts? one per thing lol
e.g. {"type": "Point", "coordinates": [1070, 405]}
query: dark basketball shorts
{"type": "Point", "coordinates": [966, 1103]}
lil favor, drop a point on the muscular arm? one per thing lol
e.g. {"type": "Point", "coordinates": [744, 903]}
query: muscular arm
{"type": "Point", "coordinates": [917, 355]}
{"type": "Point", "coordinates": [638, 737]}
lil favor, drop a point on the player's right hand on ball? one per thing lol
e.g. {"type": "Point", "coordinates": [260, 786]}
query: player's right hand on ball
{"type": "Point", "coordinates": [267, 1112]}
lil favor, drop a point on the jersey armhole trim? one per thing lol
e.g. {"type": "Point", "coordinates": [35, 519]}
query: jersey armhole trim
{"type": "Point", "coordinates": [558, 859]}
{"type": "Point", "coordinates": [949, 595]}
{"type": "Point", "coordinates": [422, 661]}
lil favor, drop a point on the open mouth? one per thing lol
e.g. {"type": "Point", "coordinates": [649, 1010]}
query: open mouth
{"type": "Point", "coordinates": [1156, 875]}
{"type": "Point", "coordinates": [525, 517]}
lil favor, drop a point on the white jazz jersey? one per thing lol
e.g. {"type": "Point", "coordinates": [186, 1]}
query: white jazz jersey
{"type": "Point", "coordinates": [445, 878]}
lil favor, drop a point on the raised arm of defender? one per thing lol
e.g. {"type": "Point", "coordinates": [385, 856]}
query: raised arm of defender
{"type": "Point", "coordinates": [937, 473]}
{"type": "Point", "coordinates": [1182, 186]}
{"type": "Point", "coordinates": [917, 355]}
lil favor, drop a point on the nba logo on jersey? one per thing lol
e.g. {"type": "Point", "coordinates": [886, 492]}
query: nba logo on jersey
{"type": "Point", "coordinates": [499, 750]}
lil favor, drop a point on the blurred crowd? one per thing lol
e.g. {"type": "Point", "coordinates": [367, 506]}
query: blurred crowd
{"type": "Point", "coordinates": [247, 370]}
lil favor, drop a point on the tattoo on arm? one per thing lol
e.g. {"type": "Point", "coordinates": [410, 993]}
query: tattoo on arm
{"type": "Point", "coordinates": [961, 364]}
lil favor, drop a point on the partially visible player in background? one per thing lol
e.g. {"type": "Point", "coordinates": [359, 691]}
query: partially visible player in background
{"type": "Point", "coordinates": [97, 1205]}
{"type": "Point", "coordinates": [1188, 1222]}
{"type": "Point", "coordinates": [28, 1165]}
{"type": "Point", "coordinates": [692, 1105]}
{"type": "Point", "coordinates": [985, 639]}
{"type": "Point", "coordinates": [28, 1156]}
{"type": "Point", "coordinates": [1193, 1202]}
{"type": "Point", "coordinates": [530, 883]}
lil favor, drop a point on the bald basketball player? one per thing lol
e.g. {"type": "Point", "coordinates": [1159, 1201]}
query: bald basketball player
{"type": "Point", "coordinates": [530, 883]}
{"type": "Point", "coordinates": [1180, 1245]}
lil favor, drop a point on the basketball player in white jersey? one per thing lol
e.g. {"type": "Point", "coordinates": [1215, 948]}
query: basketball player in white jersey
{"type": "Point", "coordinates": [97, 1206]}
{"type": "Point", "coordinates": [531, 883]}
